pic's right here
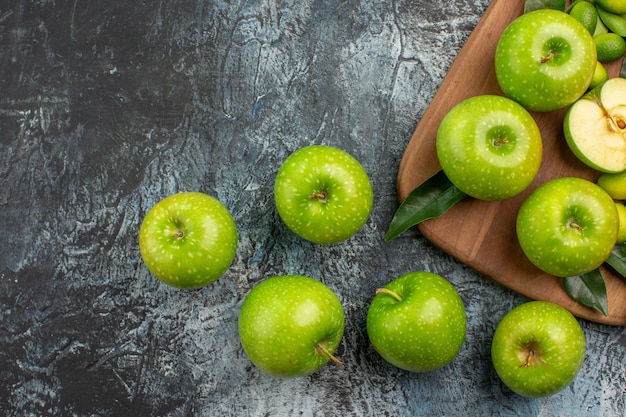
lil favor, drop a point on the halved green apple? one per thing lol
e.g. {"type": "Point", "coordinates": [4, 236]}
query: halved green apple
{"type": "Point", "coordinates": [595, 127]}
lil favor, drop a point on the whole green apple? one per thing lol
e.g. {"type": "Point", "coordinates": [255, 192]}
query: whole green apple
{"type": "Point", "coordinates": [417, 322]}
{"type": "Point", "coordinates": [545, 60]}
{"type": "Point", "coordinates": [188, 240]}
{"type": "Point", "coordinates": [291, 325]}
{"type": "Point", "coordinates": [567, 226]}
{"type": "Point", "coordinates": [323, 194]}
{"type": "Point", "coordinates": [489, 147]}
{"type": "Point", "coordinates": [538, 348]}
{"type": "Point", "coordinates": [595, 127]}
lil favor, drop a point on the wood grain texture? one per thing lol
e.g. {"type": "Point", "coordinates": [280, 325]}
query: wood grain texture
{"type": "Point", "coordinates": [479, 233]}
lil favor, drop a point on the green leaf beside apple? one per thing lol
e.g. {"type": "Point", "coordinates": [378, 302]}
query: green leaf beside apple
{"type": "Point", "coordinates": [431, 199]}
{"type": "Point", "coordinates": [589, 289]}
{"type": "Point", "coordinates": [617, 259]}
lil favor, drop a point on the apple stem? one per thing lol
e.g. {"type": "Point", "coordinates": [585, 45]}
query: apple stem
{"type": "Point", "coordinates": [545, 59]}
{"type": "Point", "coordinates": [531, 354]}
{"type": "Point", "coordinates": [389, 292]}
{"type": "Point", "coordinates": [322, 196]}
{"type": "Point", "coordinates": [574, 225]}
{"type": "Point", "coordinates": [499, 142]}
{"type": "Point", "coordinates": [533, 358]}
{"type": "Point", "coordinates": [179, 234]}
{"type": "Point", "coordinates": [321, 348]}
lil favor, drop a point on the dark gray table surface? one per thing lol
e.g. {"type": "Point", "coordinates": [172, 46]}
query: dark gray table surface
{"type": "Point", "coordinates": [107, 107]}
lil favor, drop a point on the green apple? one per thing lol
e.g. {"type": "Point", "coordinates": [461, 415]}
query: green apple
{"type": "Point", "coordinates": [291, 325]}
{"type": "Point", "coordinates": [489, 147]}
{"type": "Point", "coordinates": [567, 226]}
{"type": "Point", "coordinates": [621, 214]}
{"type": "Point", "coordinates": [614, 184]}
{"type": "Point", "coordinates": [323, 194]}
{"type": "Point", "coordinates": [538, 349]}
{"type": "Point", "coordinates": [188, 240]}
{"type": "Point", "coordinates": [417, 322]}
{"type": "Point", "coordinates": [545, 60]}
{"type": "Point", "coordinates": [595, 127]}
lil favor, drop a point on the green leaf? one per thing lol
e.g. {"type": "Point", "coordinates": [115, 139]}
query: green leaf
{"type": "Point", "coordinates": [530, 5]}
{"type": "Point", "coordinates": [430, 199]}
{"type": "Point", "coordinates": [588, 289]}
{"type": "Point", "coordinates": [617, 259]}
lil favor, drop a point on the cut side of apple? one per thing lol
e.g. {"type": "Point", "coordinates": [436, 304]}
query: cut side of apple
{"type": "Point", "coordinates": [595, 127]}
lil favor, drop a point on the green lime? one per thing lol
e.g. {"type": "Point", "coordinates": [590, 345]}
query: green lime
{"type": "Point", "coordinates": [599, 75]}
{"type": "Point", "coordinates": [610, 46]}
{"type": "Point", "coordinates": [586, 14]}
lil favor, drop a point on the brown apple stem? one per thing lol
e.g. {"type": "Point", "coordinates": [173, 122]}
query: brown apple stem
{"type": "Point", "coordinates": [179, 234]}
{"type": "Point", "coordinates": [321, 348]}
{"type": "Point", "coordinates": [499, 142]}
{"type": "Point", "coordinates": [529, 358]}
{"type": "Point", "coordinates": [550, 57]}
{"type": "Point", "coordinates": [321, 196]}
{"type": "Point", "coordinates": [574, 225]}
{"type": "Point", "coordinates": [531, 355]}
{"type": "Point", "coordinates": [389, 292]}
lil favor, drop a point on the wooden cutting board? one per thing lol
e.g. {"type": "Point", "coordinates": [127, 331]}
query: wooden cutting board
{"type": "Point", "coordinates": [482, 234]}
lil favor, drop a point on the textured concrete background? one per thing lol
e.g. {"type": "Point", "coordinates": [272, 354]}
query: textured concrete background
{"type": "Point", "coordinates": [109, 106]}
